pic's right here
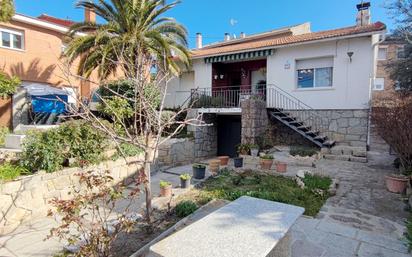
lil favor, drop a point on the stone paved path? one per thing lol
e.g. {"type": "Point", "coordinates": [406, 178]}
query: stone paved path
{"type": "Point", "coordinates": [362, 220]}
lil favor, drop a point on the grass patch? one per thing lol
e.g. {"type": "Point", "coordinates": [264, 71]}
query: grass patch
{"type": "Point", "coordinates": [231, 185]}
{"type": "Point", "coordinates": [10, 171]}
{"type": "Point", "coordinates": [317, 182]}
{"type": "Point", "coordinates": [185, 208]}
{"type": "Point", "coordinates": [302, 151]}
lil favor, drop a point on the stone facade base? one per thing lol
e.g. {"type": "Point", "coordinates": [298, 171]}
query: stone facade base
{"type": "Point", "coordinates": [254, 120]}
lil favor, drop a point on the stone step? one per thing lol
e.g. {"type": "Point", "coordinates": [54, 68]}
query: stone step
{"type": "Point", "coordinates": [348, 158]}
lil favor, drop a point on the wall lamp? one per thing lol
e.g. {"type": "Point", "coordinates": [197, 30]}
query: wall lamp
{"type": "Point", "coordinates": [350, 54]}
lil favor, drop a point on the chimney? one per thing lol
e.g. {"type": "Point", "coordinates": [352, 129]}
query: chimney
{"type": "Point", "coordinates": [227, 37]}
{"type": "Point", "coordinates": [364, 15]}
{"type": "Point", "coordinates": [199, 39]}
{"type": "Point", "coordinates": [89, 15]}
{"type": "Point", "coordinates": [242, 35]}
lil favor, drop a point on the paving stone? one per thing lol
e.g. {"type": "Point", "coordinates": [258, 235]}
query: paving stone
{"type": "Point", "coordinates": [305, 224]}
{"type": "Point", "coordinates": [369, 250]}
{"type": "Point", "coordinates": [347, 245]}
{"type": "Point", "coordinates": [383, 241]}
{"type": "Point", "coordinates": [304, 248]}
{"type": "Point", "coordinates": [336, 228]}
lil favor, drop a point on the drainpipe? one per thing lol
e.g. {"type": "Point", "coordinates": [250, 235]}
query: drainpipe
{"type": "Point", "coordinates": [371, 80]}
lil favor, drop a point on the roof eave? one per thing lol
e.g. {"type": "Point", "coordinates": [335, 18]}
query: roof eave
{"type": "Point", "coordinates": [295, 44]}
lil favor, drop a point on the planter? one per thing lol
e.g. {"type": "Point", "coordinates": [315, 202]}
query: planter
{"type": "Point", "coordinates": [214, 166]}
{"type": "Point", "coordinates": [166, 191]}
{"type": "Point", "coordinates": [224, 160]}
{"type": "Point", "coordinates": [184, 183]}
{"type": "Point", "coordinates": [281, 167]}
{"type": "Point", "coordinates": [199, 172]}
{"type": "Point", "coordinates": [266, 164]}
{"type": "Point", "coordinates": [254, 152]}
{"type": "Point", "coordinates": [238, 162]}
{"type": "Point", "coordinates": [396, 184]}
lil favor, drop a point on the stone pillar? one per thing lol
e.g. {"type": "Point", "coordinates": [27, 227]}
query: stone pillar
{"type": "Point", "coordinates": [254, 120]}
{"type": "Point", "coordinates": [205, 136]}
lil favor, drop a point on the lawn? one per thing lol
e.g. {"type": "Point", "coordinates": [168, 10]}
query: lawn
{"type": "Point", "coordinates": [230, 185]}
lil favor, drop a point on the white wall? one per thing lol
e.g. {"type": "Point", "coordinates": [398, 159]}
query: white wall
{"type": "Point", "coordinates": [203, 73]}
{"type": "Point", "coordinates": [178, 90]}
{"type": "Point", "coordinates": [351, 80]}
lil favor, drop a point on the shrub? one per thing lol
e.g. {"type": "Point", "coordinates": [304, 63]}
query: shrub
{"type": "Point", "coordinates": [129, 149]}
{"type": "Point", "coordinates": [317, 182]}
{"type": "Point", "coordinates": [48, 150]}
{"type": "Point", "coordinates": [8, 85]}
{"type": "Point", "coordinates": [9, 171]}
{"type": "Point", "coordinates": [3, 132]}
{"type": "Point", "coordinates": [185, 208]}
{"type": "Point", "coordinates": [302, 151]}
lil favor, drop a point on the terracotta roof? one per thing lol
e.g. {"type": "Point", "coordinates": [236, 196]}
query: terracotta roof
{"type": "Point", "coordinates": [239, 46]}
{"type": "Point", "coordinates": [58, 21]}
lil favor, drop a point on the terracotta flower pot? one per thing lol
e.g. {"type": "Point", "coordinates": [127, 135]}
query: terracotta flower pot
{"type": "Point", "coordinates": [166, 191]}
{"type": "Point", "coordinates": [214, 166]}
{"type": "Point", "coordinates": [266, 164]}
{"type": "Point", "coordinates": [224, 160]}
{"type": "Point", "coordinates": [396, 184]}
{"type": "Point", "coordinates": [281, 167]}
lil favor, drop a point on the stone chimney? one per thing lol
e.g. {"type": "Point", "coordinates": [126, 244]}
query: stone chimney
{"type": "Point", "coordinates": [227, 37]}
{"type": "Point", "coordinates": [199, 40]}
{"type": "Point", "coordinates": [89, 15]}
{"type": "Point", "coordinates": [242, 35]}
{"type": "Point", "coordinates": [364, 15]}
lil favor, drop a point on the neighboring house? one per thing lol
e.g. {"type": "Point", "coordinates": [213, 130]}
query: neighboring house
{"type": "Point", "coordinates": [322, 78]}
{"type": "Point", "coordinates": [30, 48]}
{"type": "Point", "coordinates": [389, 51]}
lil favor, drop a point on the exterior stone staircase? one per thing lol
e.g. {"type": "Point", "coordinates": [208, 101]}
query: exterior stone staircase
{"type": "Point", "coordinates": [345, 153]}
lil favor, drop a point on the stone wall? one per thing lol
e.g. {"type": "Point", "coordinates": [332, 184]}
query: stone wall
{"type": "Point", "coordinates": [254, 120]}
{"type": "Point", "coordinates": [205, 136]}
{"type": "Point", "coordinates": [28, 197]}
{"type": "Point", "coordinates": [280, 134]}
{"type": "Point", "coordinates": [176, 152]}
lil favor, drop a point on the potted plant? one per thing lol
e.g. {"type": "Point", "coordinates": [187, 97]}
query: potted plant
{"type": "Point", "coordinates": [238, 162]}
{"type": "Point", "coordinates": [396, 183]}
{"type": "Point", "coordinates": [165, 189]}
{"type": "Point", "coordinates": [266, 161]}
{"type": "Point", "coordinates": [224, 160]}
{"type": "Point", "coordinates": [243, 149]}
{"type": "Point", "coordinates": [254, 150]}
{"type": "Point", "coordinates": [281, 167]}
{"type": "Point", "coordinates": [199, 170]}
{"type": "Point", "coordinates": [185, 180]}
{"type": "Point", "coordinates": [214, 166]}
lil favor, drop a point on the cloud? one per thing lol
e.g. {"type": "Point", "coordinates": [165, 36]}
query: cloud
{"type": "Point", "coordinates": [233, 22]}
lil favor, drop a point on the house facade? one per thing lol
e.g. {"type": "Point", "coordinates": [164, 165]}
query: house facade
{"type": "Point", "coordinates": [311, 82]}
{"type": "Point", "coordinates": [31, 49]}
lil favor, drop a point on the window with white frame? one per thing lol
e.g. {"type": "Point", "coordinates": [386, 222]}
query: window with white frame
{"type": "Point", "coordinates": [314, 73]}
{"type": "Point", "coordinates": [11, 39]}
{"type": "Point", "coordinates": [382, 52]}
{"type": "Point", "coordinates": [400, 52]}
{"type": "Point", "coordinates": [379, 84]}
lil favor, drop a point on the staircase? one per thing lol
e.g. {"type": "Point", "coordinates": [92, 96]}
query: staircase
{"type": "Point", "coordinates": [298, 116]}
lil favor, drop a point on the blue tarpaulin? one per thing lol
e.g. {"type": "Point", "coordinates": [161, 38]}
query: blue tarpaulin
{"type": "Point", "coordinates": [49, 103]}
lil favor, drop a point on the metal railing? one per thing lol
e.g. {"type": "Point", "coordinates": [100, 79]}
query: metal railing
{"type": "Point", "coordinates": [275, 97]}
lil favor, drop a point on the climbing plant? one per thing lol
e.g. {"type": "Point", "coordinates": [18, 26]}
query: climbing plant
{"type": "Point", "coordinates": [6, 10]}
{"type": "Point", "coordinates": [8, 85]}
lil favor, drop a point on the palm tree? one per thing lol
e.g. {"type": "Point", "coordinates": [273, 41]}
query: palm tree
{"type": "Point", "coordinates": [6, 10]}
{"type": "Point", "coordinates": [135, 32]}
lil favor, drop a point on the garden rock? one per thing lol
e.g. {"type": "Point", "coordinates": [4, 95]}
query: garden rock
{"type": "Point", "coordinates": [301, 173]}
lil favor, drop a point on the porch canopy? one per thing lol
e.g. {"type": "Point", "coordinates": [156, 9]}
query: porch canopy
{"type": "Point", "coordinates": [239, 56]}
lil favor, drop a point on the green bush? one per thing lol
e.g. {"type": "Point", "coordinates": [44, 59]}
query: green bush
{"type": "Point", "coordinates": [48, 150]}
{"type": "Point", "coordinates": [302, 151]}
{"type": "Point", "coordinates": [9, 171]}
{"type": "Point", "coordinates": [408, 233]}
{"type": "Point", "coordinates": [317, 182]}
{"type": "Point", "coordinates": [129, 149]}
{"type": "Point", "coordinates": [3, 132]}
{"type": "Point", "coordinates": [185, 208]}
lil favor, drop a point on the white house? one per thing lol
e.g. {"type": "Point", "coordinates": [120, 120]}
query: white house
{"type": "Point", "coordinates": [326, 75]}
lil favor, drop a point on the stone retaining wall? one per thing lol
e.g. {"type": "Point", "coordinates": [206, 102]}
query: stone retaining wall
{"type": "Point", "coordinates": [176, 152]}
{"type": "Point", "coordinates": [28, 197]}
{"type": "Point", "coordinates": [205, 136]}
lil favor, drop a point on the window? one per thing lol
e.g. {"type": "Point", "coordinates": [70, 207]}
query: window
{"type": "Point", "coordinates": [400, 52]}
{"type": "Point", "coordinates": [382, 51]}
{"type": "Point", "coordinates": [11, 39]}
{"type": "Point", "coordinates": [379, 84]}
{"type": "Point", "coordinates": [317, 77]}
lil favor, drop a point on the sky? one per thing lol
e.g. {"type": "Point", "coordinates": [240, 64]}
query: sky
{"type": "Point", "coordinates": [213, 18]}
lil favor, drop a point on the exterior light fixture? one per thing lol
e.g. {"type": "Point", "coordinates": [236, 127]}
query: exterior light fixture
{"type": "Point", "coordinates": [350, 54]}
{"type": "Point", "coordinates": [222, 76]}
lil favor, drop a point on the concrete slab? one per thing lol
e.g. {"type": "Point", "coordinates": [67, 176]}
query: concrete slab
{"type": "Point", "coordinates": [369, 250]}
{"type": "Point", "coordinates": [245, 227]}
{"type": "Point", "coordinates": [382, 241]}
{"type": "Point", "coordinates": [337, 229]}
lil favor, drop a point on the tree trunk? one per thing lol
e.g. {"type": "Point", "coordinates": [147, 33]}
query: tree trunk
{"type": "Point", "coordinates": [148, 189]}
